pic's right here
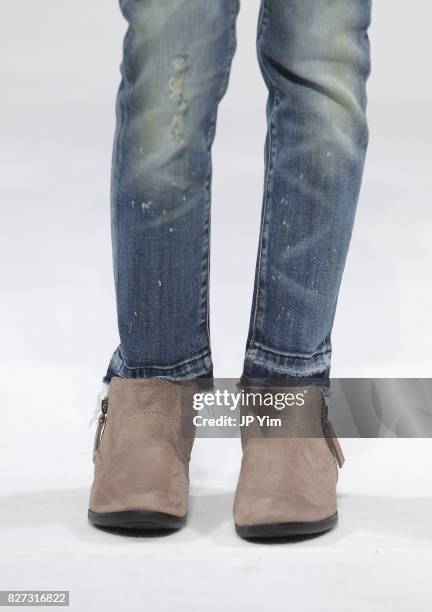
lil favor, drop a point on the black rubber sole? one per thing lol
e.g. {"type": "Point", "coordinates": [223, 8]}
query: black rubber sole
{"type": "Point", "coordinates": [286, 530]}
{"type": "Point", "coordinates": [143, 520]}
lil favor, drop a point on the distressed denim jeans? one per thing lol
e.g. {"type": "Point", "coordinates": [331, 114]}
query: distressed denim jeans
{"type": "Point", "coordinates": [315, 59]}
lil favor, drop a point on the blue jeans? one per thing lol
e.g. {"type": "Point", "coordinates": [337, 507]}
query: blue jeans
{"type": "Point", "coordinates": [315, 60]}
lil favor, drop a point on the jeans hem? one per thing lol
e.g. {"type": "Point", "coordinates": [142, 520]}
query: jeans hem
{"type": "Point", "coordinates": [196, 367]}
{"type": "Point", "coordinates": [261, 364]}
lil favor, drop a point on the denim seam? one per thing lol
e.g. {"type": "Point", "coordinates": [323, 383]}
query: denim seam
{"type": "Point", "coordinates": [119, 142]}
{"type": "Point", "coordinates": [205, 289]}
{"type": "Point", "coordinates": [262, 25]}
{"type": "Point", "coordinates": [272, 150]}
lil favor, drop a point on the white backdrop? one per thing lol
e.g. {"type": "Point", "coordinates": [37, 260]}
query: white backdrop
{"type": "Point", "coordinates": [59, 71]}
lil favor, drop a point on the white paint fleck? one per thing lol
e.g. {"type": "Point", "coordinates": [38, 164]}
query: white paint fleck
{"type": "Point", "coordinates": [160, 283]}
{"type": "Point", "coordinates": [171, 229]}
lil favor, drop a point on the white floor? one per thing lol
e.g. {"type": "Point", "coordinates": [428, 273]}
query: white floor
{"type": "Point", "coordinates": [57, 310]}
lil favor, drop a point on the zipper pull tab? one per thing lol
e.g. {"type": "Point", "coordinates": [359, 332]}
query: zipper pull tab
{"type": "Point", "coordinates": [101, 424]}
{"type": "Point", "coordinates": [103, 393]}
{"type": "Point", "coordinates": [104, 407]}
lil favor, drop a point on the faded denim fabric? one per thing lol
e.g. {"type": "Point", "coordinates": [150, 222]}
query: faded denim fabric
{"type": "Point", "coordinates": [315, 59]}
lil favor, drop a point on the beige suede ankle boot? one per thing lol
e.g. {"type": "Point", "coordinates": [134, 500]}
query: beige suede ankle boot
{"type": "Point", "coordinates": [287, 483]}
{"type": "Point", "coordinates": [141, 459]}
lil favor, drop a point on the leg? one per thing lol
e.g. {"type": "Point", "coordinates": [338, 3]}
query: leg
{"type": "Point", "coordinates": [314, 56]}
{"type": "Point", "coordinates": [177, 58]}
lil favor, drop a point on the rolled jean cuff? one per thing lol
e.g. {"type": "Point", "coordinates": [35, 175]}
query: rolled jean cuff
{"type": "Point", "coordinates": [266, 365]}
{"type": "Point", "coordinates": [196, 367]}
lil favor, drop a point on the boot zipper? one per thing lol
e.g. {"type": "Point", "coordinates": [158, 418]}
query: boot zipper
{"type": "Point", "coordinates": [333, 442]}
{"type": "Point", "coordinates": [330, 436]}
